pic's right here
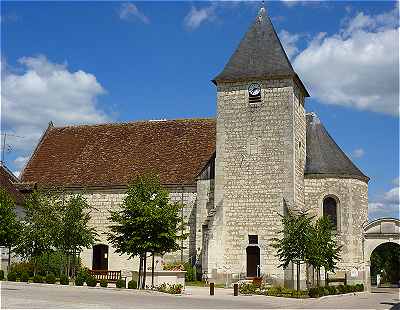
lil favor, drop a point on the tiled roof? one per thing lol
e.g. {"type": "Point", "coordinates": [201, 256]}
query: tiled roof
{"type": "Point", "coordinates": [7, 181]}
{"type": "Point", "coordinates": [178, 150]}
{"type": "Point", "coordinates": [259, 55]}
{"type": "Point", "coordinates": [113, 154]}
{"type": "Point", "coordinates": [324, 156]}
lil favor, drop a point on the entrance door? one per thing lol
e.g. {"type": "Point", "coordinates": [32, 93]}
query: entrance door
{"type": "Point", "coordinates": [100, 257]}
{"type": "Point", "coordinates": [253, 261]}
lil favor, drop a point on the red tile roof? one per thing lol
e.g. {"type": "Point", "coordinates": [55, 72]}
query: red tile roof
{"type": "Point", "coordinates": [113, 154]}
{"type": "Point", "coordinates": [7, 181]}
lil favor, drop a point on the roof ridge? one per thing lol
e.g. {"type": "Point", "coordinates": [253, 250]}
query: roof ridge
{"type": "Point", "coordinates": [137, 122]}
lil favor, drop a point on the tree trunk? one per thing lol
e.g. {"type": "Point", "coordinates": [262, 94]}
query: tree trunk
{"type": "Point", "coordinates": [140, 272]}
{"type": "Point", "coordinates": [144, 271]}
{"type": "Point", "coordinates": [68, 265]}
{"type": "Point", "coordinates": [9, 259]}
{"type": "Point", "coordinates": [307, 275]}
{"type": "Point", "coordinates": [152, 270]}
{"type": "Point", "coordinates": [326, 278]}
{"type": "Point", "coordinates": [298, 276]}
{"type": "Point", "coordinates": [318, 276]}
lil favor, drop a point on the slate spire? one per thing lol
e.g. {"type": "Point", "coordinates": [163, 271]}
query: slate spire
{"type": "Point", "coordinates": [259, 55]}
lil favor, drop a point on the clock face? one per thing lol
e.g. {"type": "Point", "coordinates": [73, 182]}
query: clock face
{"type": "Point", "coordinates": [254, 89]}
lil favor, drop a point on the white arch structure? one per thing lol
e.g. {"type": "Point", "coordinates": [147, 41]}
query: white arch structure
{"type": "Point", "coordinates": [378, 232]}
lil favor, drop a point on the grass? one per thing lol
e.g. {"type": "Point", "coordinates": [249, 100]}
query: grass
{"type": "Point", "coordinates": [203, 284]}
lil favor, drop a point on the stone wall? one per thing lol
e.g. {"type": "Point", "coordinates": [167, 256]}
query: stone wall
{"type": "Point", "coordinates": [352, 213]}
{"type": "Point", "coordinates": [110, 199]}
{"type": "Point", "coordinates": [255, 171]}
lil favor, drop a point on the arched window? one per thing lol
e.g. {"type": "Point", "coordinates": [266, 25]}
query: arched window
{"type": "Point", "coordinates": [330, 210]}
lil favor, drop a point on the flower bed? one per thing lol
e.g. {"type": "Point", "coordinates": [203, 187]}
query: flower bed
{"type": "Point", "coordinates": [170, 288]}
{"type": "Point", "coordinates": [252, 289]}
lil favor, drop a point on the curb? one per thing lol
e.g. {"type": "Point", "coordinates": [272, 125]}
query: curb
{"type": "Point", "coordinates": [340, 295]}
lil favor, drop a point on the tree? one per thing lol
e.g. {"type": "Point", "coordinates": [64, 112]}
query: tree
{"type": "Point", "coordinates": [324, 251]}
{"type": "Point", "coordinates": [10, 226]}
{"type": "Point", "coordinates": [146, 222]}
{"type": "Point", "coordinates": [296, 237]}
{"type": "Point", "coordinates": [41, 226]}
{"type": "Point", "coordinates": [74, 233]}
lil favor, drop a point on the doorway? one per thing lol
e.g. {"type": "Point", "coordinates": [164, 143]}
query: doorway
{"type": "Point", "coordinates": [253, 261]}
{"type": "Point", "coordinates": [100, 257]}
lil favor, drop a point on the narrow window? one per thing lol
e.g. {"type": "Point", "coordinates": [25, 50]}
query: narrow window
{"type": "Point", "coordinates": [330, 210]}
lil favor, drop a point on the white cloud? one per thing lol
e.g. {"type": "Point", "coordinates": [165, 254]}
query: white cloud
{"type": "Point", "coordinates": [387, 205]}
{"type": "Point", "coordinates": [20, 161]}
{"type": "Point", "coordinates": [358, 153]}
{"type": "Point", "coordinates": [358, 66]}
{"type": "Point", "coordinates": [289, 42]}
{"type": "Point", "coordinates": [196, 17]}
{"type": "Point", "coordinates": [392, 196]}
{"type": "Point", "coordinates": [378, 210]}
{"type": "Point", "coordinates": [41, 91]}
{"type": "Point", "coordinates": [129, 11]}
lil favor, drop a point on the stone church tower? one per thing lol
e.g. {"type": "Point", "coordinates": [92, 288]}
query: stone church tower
{"type": "Point", "coordinates": [260, 153]}
{"type": "Point", "coordinates": [235, 174]}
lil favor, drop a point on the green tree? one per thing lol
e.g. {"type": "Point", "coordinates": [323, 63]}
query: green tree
{"type": "Point", "coordinates": [42, 214]}
{"type": "Point", "coordinates": [386, 257]}
{"type": "Point", "coordinates": [146, 222]}
{"type": "Point", "coordinates": [10, 226]}
{"type": "Point", "coordinates": [74, 233]}
{"type": "Point", "coordinates": [323, 249]}
{"type": "Point", "coordinates": [293, 247]}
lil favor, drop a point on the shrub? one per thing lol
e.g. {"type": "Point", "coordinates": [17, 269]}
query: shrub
{"type": "Point", "coordinates": [313, 292]}
{"type": "Point", "coordinates": [21, 267]}
{"type": "Point", "coordinates": [190, 274]}
{"type": "Point", "coordinates": [103, 283]}
{"type": "Point", "coordinates": [51, 278]}
{"type": "Point", "coordinates": [24, 277]}
{"type": "Point", "coordinates": [341, 289]}
{"type": "Point", "coordinates": [120, 283]}
{"type": "Point", "coordinates": [360, 287]}
{"type": "Point", "coordinates": [79, 280]}
{"type": "Point", "coordinates": [1, 275]}
{"type": "Point", "coordinates": [247, 288]}
{"type": "Point", "coordinates": [91, 281]}
{"type": "Point", "coordinates": [132, 284]}
{"type": "Point", "coordinates": [12, 276]}
{"type": "Point", "coordinates": [299, 294]}
{"type": "Point", "coordinates": [37, 279]}
{"type": "Point", "coordinates": [83, 273]}
{"type": "Point", "coordinates": [331, 290]}
{"type": "Point", "coordinates": [64, 280]}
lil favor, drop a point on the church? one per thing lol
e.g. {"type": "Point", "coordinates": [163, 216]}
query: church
{"type": "Point", "coordinates": [236, 173]}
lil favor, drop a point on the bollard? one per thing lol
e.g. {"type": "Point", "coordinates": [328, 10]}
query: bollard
{"type": "Point", "coordinates": [212, 289]}
{"type": "Point", "coordinates": [235, 289]}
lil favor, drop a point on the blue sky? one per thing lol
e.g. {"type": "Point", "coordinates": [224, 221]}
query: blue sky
{"type": "Point", "coordinates": [82, 62]}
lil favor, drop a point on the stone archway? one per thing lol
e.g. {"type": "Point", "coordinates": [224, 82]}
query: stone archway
{"type": "Point", "coordinates": [378, 232]}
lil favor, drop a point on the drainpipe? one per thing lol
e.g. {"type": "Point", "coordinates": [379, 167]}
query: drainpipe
{"type": "Point", "coordinates": [182, 189]}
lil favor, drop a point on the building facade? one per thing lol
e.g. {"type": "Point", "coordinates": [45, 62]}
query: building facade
{"type": "Point", "coordinates": [236, 174]}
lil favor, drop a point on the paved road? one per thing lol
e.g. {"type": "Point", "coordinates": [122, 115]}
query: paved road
{"type": "Point", "coordinates": [29, 296]}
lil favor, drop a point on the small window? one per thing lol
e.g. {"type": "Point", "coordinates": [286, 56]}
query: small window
{"type": "Point", "coordinates": [330, 210]}
{"type": "Point", "coordinates": [299, 144]}
{"type": "Point", "coordinates": [253, 239]}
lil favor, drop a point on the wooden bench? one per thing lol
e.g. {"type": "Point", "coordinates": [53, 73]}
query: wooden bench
{"type": "Point", "coordinates": [110, 275]}
{"type": "Point", "coordinates": [336, 280]}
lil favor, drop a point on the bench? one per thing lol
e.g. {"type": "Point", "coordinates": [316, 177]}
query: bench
{"type": "Point", "coordinates": [336, 280]}
{"type": "Point", "coordinates": [110, 275]}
